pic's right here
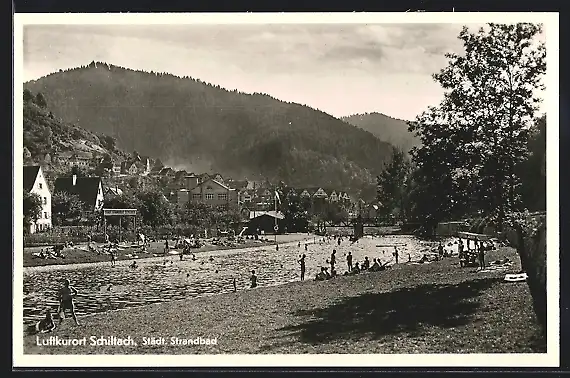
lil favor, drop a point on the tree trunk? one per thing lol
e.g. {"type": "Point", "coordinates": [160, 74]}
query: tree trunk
{"type": "Point", "coordinates": [532, 252]}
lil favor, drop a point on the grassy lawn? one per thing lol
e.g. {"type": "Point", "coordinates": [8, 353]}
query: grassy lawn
{"type": "Point", "coordinates": [79, 255]}
{"type": "Point", "coordinates": [430, 308]}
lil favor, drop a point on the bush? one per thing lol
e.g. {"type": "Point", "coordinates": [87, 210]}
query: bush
{"type": "Point", "coordinates": [43, 239]}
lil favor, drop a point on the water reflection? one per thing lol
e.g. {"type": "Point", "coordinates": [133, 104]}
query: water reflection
{"type": "Point", "coordinates": [102, 287]}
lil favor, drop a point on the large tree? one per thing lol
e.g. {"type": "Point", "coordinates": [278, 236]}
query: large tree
{"type": "Point", "coordinates": [392, 184]}
{"type": "Point", "coordinates": [65, 206]}
{"type": "Point", "coordinates": [474, 139]}
{"type": "Point", "coordinates": [155, 210]}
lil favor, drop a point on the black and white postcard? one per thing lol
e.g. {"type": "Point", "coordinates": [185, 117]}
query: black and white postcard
{"type": "Point", "coordinates": [286, 190]}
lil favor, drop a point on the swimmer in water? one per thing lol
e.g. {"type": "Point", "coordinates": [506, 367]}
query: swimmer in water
{"type": "Point", "coordinates": [302, 263]}
{"type": "Point", "coordinates": [65, 297]}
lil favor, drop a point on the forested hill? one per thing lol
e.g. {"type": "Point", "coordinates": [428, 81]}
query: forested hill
{"type": "Point", "coordinates": [199, 126]}
{"type": "Point", "coordinates": [385, 128]}
{"type": "Point", "coordinates": [46, 137]}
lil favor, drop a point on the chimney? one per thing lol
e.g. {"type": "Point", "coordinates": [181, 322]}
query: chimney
{"type": "Point", "coordinates": [74, 179]}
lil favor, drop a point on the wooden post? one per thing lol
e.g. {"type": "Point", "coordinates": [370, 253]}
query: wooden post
{"type": "Point", "coordinates": [104, 226]}
{"type": "Point", "coordinates": [120, 228]}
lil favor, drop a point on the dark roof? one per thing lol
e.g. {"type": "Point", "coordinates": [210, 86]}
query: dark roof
{"type": "Point", "coordinates": [30, 174]}
{"type": "Point", "coordinates": [238, 184]}
{"type": "Point", "coordinates": [85, 187]}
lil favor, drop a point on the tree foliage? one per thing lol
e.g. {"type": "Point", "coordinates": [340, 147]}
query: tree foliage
{"type": "Point", "coordinates": [65, 206]}
{"type": "Point", "coordinates": [32, 208]}
{"type": "Point", "coordinates": [474, 139]}
{"type": "Point", "coordinates": [154, 208]}
{"type": "Point", "coordinates": [392, 184]}
{"type": "Point", "coordinates": [41, 101]}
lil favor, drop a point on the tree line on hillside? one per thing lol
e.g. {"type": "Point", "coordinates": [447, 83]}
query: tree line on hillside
{"type": "Point", "coordinates": [483, 147]}
{"type": "Point", "coordinates": [178, 119]}
{"type": "Point", "coordinates": [44, 133]}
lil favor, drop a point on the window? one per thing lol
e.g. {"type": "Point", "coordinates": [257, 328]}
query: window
{"type": "Point", "coordinates": [196, 196]}
{"type": "Point", "coordinates": [209, 196]}
{"type": "Point", "coordinates": [45, 215]}
{"type": "Point", "coordinates": [40, 185]}
{"type": "Point", "coordinates": [45, 200]}
{"type": "Point", "coordinates": [223, 196]}
{"type": "Point", "coordinates": [224, 207]}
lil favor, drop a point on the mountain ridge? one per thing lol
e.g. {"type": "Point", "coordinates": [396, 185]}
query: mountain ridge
{"type": "Point", "coordinates": [386, 128]}
{"type": "Point", "coordinates": [182, 120]}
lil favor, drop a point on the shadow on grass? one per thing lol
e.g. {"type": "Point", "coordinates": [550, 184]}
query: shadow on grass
{"type": "Point", "coordinates": [376, 315]}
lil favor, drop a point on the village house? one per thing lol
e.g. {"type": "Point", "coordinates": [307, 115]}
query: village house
{"type": "Point", "coordinates": [89, 190]}
{"type": "Point", "coordinates": [166, 172]}
{"type": "Point", "coordinates": [245, 196]}
{"type": "Point", "coordinates": [180, 175]}
{"type": "Point", "coordinates": [333, 197]}
{"type": "Point", "coordinates": [113, 191]}
{"type": "Point", "coordinates": [137, 165]}
{"type": "Point", "coordinates": [129, 168]}
{"type": "Point", "coordinates": [116, 168]}
{"type": "Point", "coordinates": [209, 191]}
{"type": "Point", "coordinates": [144, 164]}
{"type": "Point", "coordinates": [35, 182]}
{"type": "Point", "coordinates": [75, 159]}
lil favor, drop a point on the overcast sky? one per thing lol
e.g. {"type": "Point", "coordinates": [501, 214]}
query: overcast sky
{"type": "Point", "coordinates": [339, 69]}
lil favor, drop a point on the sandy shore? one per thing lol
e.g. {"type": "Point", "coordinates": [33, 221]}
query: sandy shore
{"type": "Point", "coordinates": [424, 308]}
{"type": "Point", "coordinates": [283, 240]}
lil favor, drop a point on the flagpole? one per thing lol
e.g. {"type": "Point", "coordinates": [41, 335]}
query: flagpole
{"type": "Point", "coordinates": [276, 226]}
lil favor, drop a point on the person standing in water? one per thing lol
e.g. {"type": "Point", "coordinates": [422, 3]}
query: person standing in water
{"type": "Point", "coordinates": [333, 259]}
{"type": "Point", "coordinates": [253, 279]}
{"type": "Point", "coordinates": [65, 297]}
{"type": "Point", "coordinates": [349, 261]}
{"type": "Point", "coordinates": [113, 258]}
{"type": "Point", "coordinates": [302, 262]}
{"type": "Point", "coordinates": [306, 246]}
{"type": "Point", "coordinates": [396, 254]}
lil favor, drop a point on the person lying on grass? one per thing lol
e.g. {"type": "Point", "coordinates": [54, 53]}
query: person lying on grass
{"type": "Point", "coordinates": [66, 294]}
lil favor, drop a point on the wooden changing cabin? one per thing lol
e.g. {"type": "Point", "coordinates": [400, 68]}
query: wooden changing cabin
{"type": "Point", "coordinates": [469, 255]}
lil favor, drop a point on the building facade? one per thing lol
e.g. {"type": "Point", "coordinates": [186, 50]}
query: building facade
{"type": "Point", "coordinates": [209, 191]}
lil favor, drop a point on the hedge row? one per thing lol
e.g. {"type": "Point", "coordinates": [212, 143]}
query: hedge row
{"type": "Point", "coordinates": [81, 234]}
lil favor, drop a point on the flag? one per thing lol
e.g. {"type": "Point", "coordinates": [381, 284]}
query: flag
{"type": "Point", "coordinates": [277, 197]}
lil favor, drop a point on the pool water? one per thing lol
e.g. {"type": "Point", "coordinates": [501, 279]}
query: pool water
{"type": "Point", "coordinates": [102, 287]}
